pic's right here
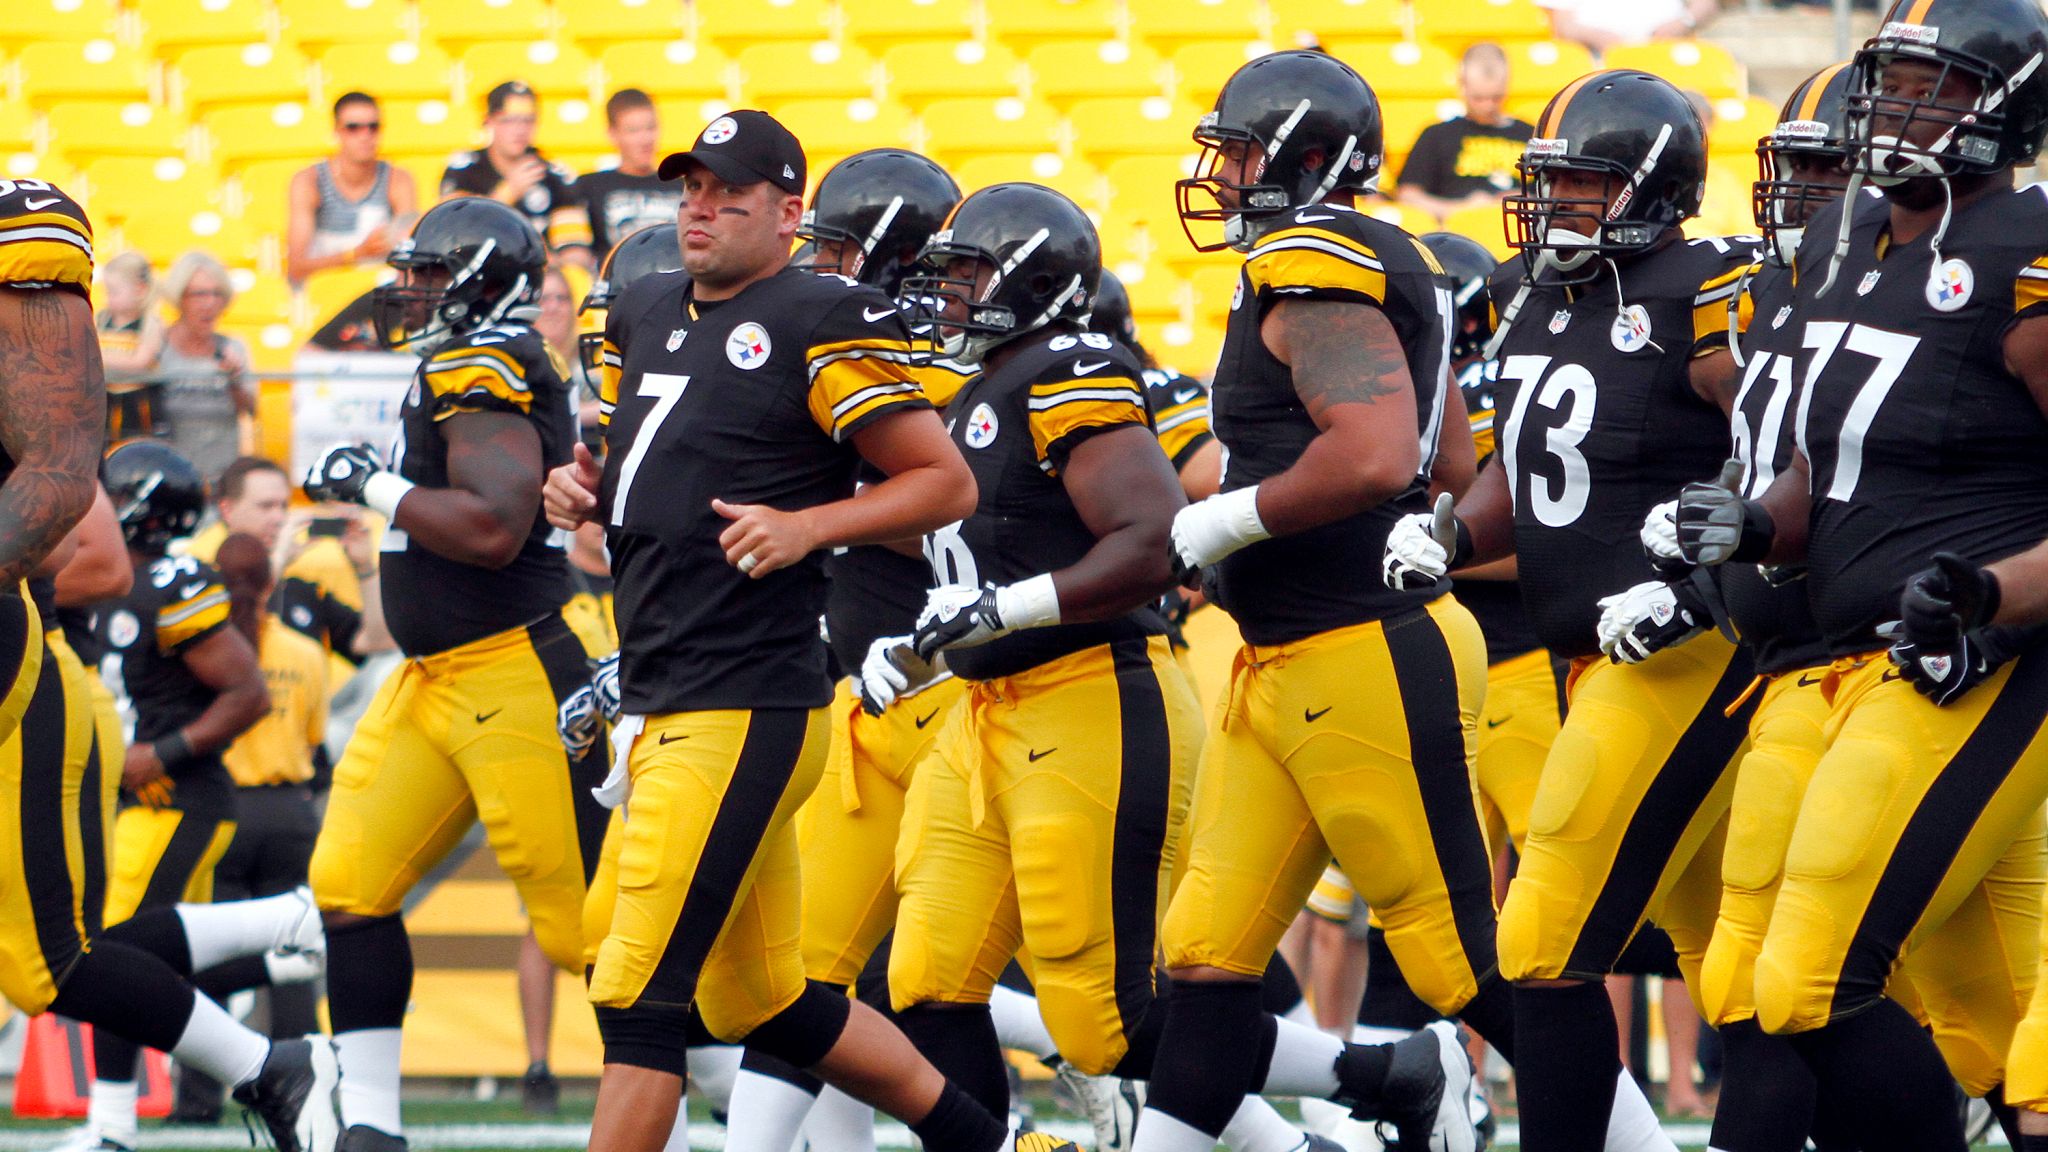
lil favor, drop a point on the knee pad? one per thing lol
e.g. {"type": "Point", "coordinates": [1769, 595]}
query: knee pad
{"type": "Point", "coordinates": [1084, 1024]}
{"type": "Point", "coordinates": [804, 1032]}
{"type": "Point", "coordinates": [654, 1036]}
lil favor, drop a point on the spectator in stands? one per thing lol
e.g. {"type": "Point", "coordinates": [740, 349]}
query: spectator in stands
{"type": "Point", "coordinates": [510, 170]}
{"type": "Point", "coordinates": [557, 325]}
{"type": "Point", "coordinates": [207, 391]}
{"type": "Point", "coordinates": [1602, 24]}
{"type": "Point", "coordinates": [131, 339]}
{"type": "Point", "coordinates": [353, 206]}
{"type": "Point", "coordinates": [620, 201]}
{"type": "Point", "coordinates": [1470, 160]}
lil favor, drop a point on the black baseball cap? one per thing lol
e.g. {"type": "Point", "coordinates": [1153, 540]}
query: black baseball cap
{"type": "Point", "coordinates": [744, 147]}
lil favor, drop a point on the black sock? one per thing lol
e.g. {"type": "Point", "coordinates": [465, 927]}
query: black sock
{"type": "Point", "coordinates": [1279, 990]}
{"type": "Point", "coordinates": [2008, 1116]}
{"type": "Point", "coordinates": [1566, 1086]}
{"type": "Point", "coordinates": [1834, 1124]}
{"type": "Point", "coordinates": [1766, 1093]}
{"type": "Point", "coordinates": [957, 1124]}
{"type": "Point", "coordinates": [1887, 1065]}
{"type": "Point", "coordinates": [369, 974]}
{"type": "Point", "coordinates": [762, 1064]}
{"type": "Point", "coordinates": [960, 1041]}
{"type": "Point", "coordinates": [1362, 1076]}
{"type": "Point", "coordinates": [159, 932]}
{"type": "Point", "coordinates": [118, 986]}
{"type": "Point", "coordinates": [1205, 1068]}
{"type": "Point", "coordinates": [2032, 1143]}
{"type": "Point", "coordinates": [1491, 1013]}
{"type": "Point", "coordinates": [1141, 1050]}
{"type": "Point", "coordinates": [229, 977]}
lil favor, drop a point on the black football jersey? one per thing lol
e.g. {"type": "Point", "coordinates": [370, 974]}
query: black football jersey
{"type": "Point", "coordinates": [1602, 421]}
{"type": "Point", "coordinates": [1291, 587]}
{"type": "Point", "coordinates": [750, 400]}
{"type": "Point", "coordinates": [472, 174]}
{"type": "Point", "coordinates": [45, 242]}
{"type": "Point", "coordinates": [1919, 439]}
{"type": "Point", "coordinates": [319, 615]}
{"type": "Point", "coordinates": [176, 603]}
{"type": "Point", "coordinates": [1180, 413]}
{"type": "Point", "coordinates": [1017, 425]}
{"type": "Point", "coordinates": [1496, 604]}
{"type": "Point", "coordinates": [1771, 614]}
{"type": "Point", "coordinates": [434, 603]}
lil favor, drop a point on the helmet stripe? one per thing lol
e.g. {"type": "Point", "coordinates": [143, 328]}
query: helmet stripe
{"type": "Point", "coordinates": [1555, 112]}
{"type": "Point", "coordinates": [1918, 12]}
{"type": "Point", "coordinates": [1809, 105]}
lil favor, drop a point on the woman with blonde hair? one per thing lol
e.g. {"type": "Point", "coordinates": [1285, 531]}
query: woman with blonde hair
{"type": "Point", "coordinates": [207, 388]}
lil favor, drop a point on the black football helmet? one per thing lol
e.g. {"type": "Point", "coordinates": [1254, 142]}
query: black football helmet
{"type": "Point", "coordinates": [1045, 262]}
{"type": "Point", "coordinates": [1111, 315]}
{"type": "Point", "coordinates": [1294, 108]}
{"type": "Point", "coordinates": [1641, 138]}
{"type": "Point", "coordinates": [1996, 46]}
{"type": "Point", "coordinates": [469, 263]}
{"type": "Point", "coordinates": [158, 494]}
{"type": "Point", "coordinates": [1803, 165]}
{"type": "Point", "coordinates": [874, 211]}
{"type": "Point", "coordinates": [1469, 267]}
{"type": "Point", "coordinates": [645, 252]}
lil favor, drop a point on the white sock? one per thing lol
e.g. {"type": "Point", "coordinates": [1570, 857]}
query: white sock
{"type": "Point", "coordinates": [1158, 1132]}
{"type": "Point", "coordinates": [1376, 1034]}
{"type": "Point", "coordinates": [713, 1068]}
{"type": "Point", "coordinates": [1322, 1116]}
{"type": "Point", "coordinates": [840, 1123]}
{"type": "Point", "coordinates": [1304, 1062]}
{"type": "Point", "coordinates": [766, 1113]}
{"type": "Point", "coordinates": [220, 932]}
{"type": "Point", "coordinates": [1632, 1126]}
{"type": "Point", "coordinates": [220, 1046]}
{"type": "Point", "coordinates": [369, 1078]}
{"type": "Point", "coordinates": [1018, 1024]}
{"type": "Point", "coordinates": [112, 1111]}
{"type": "Point", "coordinates": [1258, 1128]}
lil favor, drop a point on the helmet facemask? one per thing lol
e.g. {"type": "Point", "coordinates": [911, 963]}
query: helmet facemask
{"type": "Point", "coordinates": [1560, 234]}
{"type": "Point", "coordinates": [1956, 128]}
{"type": "Point", "coordinates": [838, 251]}
{"type": "Point", "coordinates": [1801, 168]}
{"type": "Point", "coordinates": [960, 311]}
{"type": "Point", "coordinates": [1250, 204]}
{"type": "Point", "coordinates": [434, 299]}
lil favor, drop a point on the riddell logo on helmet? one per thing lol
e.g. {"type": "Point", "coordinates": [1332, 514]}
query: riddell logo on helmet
{"type": "Point", "coordinates": [1910, 33]}
{"type": "Point", "coordinates": [1546, 147]}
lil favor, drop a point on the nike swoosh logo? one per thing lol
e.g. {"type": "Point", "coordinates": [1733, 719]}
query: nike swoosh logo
{"type": "Point", "coordinates": [1183, 395]}
{"type": "Point", "coordinates": [483, 716]}
{"type": "Point", "coordinates": [928, 719]}
{"type": "Point", "coordinates": [1305, 218]}
{"type": "Point", "coordinates": [191, 590]}
{"type": "Point", "coordinates": [488, 339]}
{"type": "Point", "coordinates": [1808, 681]}
{"type": "Point", "coordinates": [1035, 755]}
{"type": "Point", "coordinates": [1492, 723]}
{"type": "Point", "coordinates": [1084, 369]}
{"type": "Point", "coordinates": [670, 738]}
{"type": "Point", "coordinates": [1887, 675]}
{"type": "Point", "coordinates": [39, 205]}
{"type": "Point", "coordinates": [870, 315]}
{"type": "Point", "coordinates": [1312, 717]}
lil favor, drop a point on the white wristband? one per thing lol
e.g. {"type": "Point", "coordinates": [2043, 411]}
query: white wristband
{"type": "Point", "coordinates": [1031, 603]}
{"type": "Point", "coordinates": [1238, 513]}
{"type": "Point", "coordinates": [383, 491]}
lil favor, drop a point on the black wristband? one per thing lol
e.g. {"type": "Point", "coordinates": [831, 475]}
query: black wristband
{"type": "Point", "coordinates": [1758, 532]}
{"type": "Point", "coordinates": [1461, 551]}
{"type": "Point", "coordinates": [173, 750]}
{"type": "Point", "coordinates": [1988, 611]}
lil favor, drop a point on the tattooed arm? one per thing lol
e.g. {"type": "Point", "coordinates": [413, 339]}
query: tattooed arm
{"type": "Point", "coordinates": [1352, 375]}
{"type": "Point", "coordinates": [53, 415]}
{"type": "Point", "coordinates": [485, 513]}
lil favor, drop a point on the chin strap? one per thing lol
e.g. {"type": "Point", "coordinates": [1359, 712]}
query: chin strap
{"type": "Point", "coordinates": [1842, 232]}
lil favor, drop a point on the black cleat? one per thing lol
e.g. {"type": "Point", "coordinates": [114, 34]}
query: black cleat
{"type": "Point", "coordinates": [294, 1094]}
{"type": "Point", "coordinates": [1424, 1096]}
{"type": "Point", "coordinates": [363, 1138]}
{"type": "Point", "coordinates": [539, 1092]}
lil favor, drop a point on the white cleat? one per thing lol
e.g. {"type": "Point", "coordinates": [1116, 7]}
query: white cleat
{"type": "Point", "coordinates": [302, 932]}
{"type": "Point", "coordinates": [294, 967]}
{"type": "Point", "coordinates": [1111, 1104]}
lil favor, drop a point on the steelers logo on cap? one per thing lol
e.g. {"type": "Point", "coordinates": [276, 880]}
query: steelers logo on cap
{"type": "Point", "coordinates": [721, 130]}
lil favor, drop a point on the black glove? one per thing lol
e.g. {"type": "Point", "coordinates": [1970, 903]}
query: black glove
{"type": "Point", "coordinates": [956, 616]}
{"type": "Point", "coordinates": [1716, 525]}
{"type": "Point", "coordinates": [341, 472]}
{"type": "Point", "coordinates": [1945, 673]}
{"type": "Point", "coordinates": [1944, 602]}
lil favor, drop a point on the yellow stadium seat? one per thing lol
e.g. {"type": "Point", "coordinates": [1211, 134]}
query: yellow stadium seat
{"type": "Point", "coordinates": [315, 24]}
{"type": "Point", "coordinates": [553, 69]}
{"type": "Point", "coordinates": [1456, 23]}
{"type": "Point", "coordinates": [254, 73]}
{"type": "Point", "coordinates": [170, 26]}
{"type": "Point", "coordinates": [1201, 69]}
{"type": "Point", "coordinates": [956, 129]}
{"type": "Point", "coordinates": [1401, 69]}
{"type": "Point", "coordinates": [1073, 70]}
{"type": "Point", "coordinates": [240, 133]}
{"type": "Point", "coordinates": [31, 21]}
{"type": "Point", "coordinates": [261, 192]}
{"type": "Point", "coordinates": [1024, 23]}
{"type": "Point", "coordinates": [573, 125]}
{"type": "Point", "coordinates": [82, 130]}
{"type": "Point", "coordinates": [735, 25]}
{"type": "Point", "coordinates": [1179, 21]}
{"type": "Point", "coordinates": [266, 300]}
{"type": "Point", "coordinates": [1701, 65]}
{"type": "Point", "coordinates": [1076, 180]}
{"type": "Point", "coordinates": [1141, 187]}
{"type": "Point", "coordinates": [17, 129]}
{"type": "Point", "coordinates": [457, 22]}
{"type": "Point", "coordinates": [1728, 209]}
{"type": "Point", "coordinates": [669, 69]}
{"type": "Point", "coordinates": [1483, 223]}
{"type": "Point", "coordinates": [838, 127]}
{"type": "Point", "coordinates": [1411, 220]}
{"type": "Point", "coordinates": [921, 73]}
{"type": "Point", "coordinates": [1340, 19]}
{"type": "Point", "coordinates": [169, 231]}
{"type": "Point", "coordinates": [326, 293]}
{"type": "Point", "coordinates": [1209, 289]}
{"type": "Point", "coordinates": [125, 186]}
{"type": "Point", "coordinates": [396, 70]}
{"type": "Point", "coordinates": [1124, 127]}
{"type": "Point", "coordinates": [605, 21]}
{"type": "Point", "coordinates": [1401, 121]}
{"type": "Point", "coordinates": [1539, 69]}
{"type": "Point", "coordinates": [1739, 122]}
{"type": "Point", "coordinates": [429, 126]}
{"type": "Point", "coordinates": [876, 24]}
{"type": "Point", "coordinates": [57, 71]}
{"type": "Point", "coordinates": [792, 70]}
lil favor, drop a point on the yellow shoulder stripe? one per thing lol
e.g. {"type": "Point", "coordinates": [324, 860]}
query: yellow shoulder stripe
{"type": "Point", "coordinates": [179, 622]}
{"type": "Point", "coordinates": [1055, 418]}
{"type": "Point", "coordinates": [1306, 259]}
{"type": "Point", "coordinates": [849, 387]}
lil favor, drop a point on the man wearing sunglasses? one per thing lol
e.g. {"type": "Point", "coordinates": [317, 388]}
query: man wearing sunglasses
{"type": "Point", "coordinates": [348, 208]}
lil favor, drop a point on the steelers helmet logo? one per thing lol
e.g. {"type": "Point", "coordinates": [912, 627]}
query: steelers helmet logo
{"type": "Point", "coordinates": [721, 130]}
{"type": "Point", "coordinates": [302, 616]}
{"type": "Point", "coordinates": [123, 629]}
{"type": "Point", "coordinates": [1237, 297]}
{"type": "Point", "coordinates": [748, 346]}
{"type": "Point", "coordinates": [537, 199]}
{"type": "Point", "coordinates": [981, 427]}
{"type": "Point", "coordinates": [1949, 287]}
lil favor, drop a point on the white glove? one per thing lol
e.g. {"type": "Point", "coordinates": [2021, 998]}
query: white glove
{"type": "Point", "coordinates": [1659, 533]}
{"type": "Point", "coordinates": [1419, 547]}
{"type": "Point", "coordinates": [1208, 530]}
{"type": "Point", "coordinates": [962, 616]}
{"type": "Point", "coordinates": [892, 669]}
{"type": "Point", "coordinates": [1648, 618]}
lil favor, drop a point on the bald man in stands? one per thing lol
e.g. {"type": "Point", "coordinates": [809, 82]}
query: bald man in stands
{"type": "Point", "coordinates": [1469, 160]}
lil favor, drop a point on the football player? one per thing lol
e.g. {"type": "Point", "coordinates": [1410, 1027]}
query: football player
{"type": "Point", "coordinates": [1179, 404]}
{"type": "Point", "coordinates": [1616, 377]}
{"type": "Point", "coordinates": [1328, 401]}
{"type": "Point", "coordinates": [474, 581]}
{"type": "Point", "coordinates": [745, 394]}
{"type": "Point", "coordinates": [1924, 336]}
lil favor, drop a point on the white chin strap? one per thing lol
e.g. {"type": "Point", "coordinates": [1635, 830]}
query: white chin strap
{"type": "Point", "coordinates": [1894, 167]}
{"type": "Point", "coordinates": [1787, 240]}
{"type": "Point", "coordinates": [1559, 238]}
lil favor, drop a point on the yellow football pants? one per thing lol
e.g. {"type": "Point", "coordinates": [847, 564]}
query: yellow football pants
{"type": "Point", "coordinates": [699, 903]}
{"type": "Point", "coordinates": [1524, 707]}
{"type": "Point", "coordinates": [47, 797]}
{"type": "Point", "coordinates": [460, 736]}
{"type": "Point", "coordinates": [1045, 823]}
{"type": "Point", "coordinates": [2026, 1083]}
{"type": "Point", "coordinates": [163, 856]}
{"type": "Point", "coordinates": [1625, 824]}
{"type": "Point", "coordinates": [1357, 741]}
{"type": "Point", "coordinates": [846, 833]}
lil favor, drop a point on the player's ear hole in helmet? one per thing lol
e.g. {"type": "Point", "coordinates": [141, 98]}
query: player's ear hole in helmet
{"type": "Point", "coordinates": [1012, 259]}
{"type": "Point", "coordinates": [158, 494]}
{"type": "Point", "coordinates": [873, 213]}
{"type": "Point", "coordinates": [469, 263]}
{"type": "Point", "coordinates": [644, 252]}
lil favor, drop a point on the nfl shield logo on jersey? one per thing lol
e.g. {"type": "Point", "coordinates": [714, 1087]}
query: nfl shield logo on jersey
{"type": "Point", "coordinates": [1949, 287]}
{"type": "Point", "coordinates": [675, 338]}
{"type": "Point", "coordinates": [981, 427]}
{"type": "Point", "coordinates": [1558, 322]}
{"type": "Point", "coordinates": [748, 346]}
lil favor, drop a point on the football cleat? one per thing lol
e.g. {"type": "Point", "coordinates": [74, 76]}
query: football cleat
{"type": "Point", "coordinates": [1111, 1104]}
{"type": "Point", "coordinates": [1042, 1142]}
{"type": "Point", "coordinates": [294, 1094]}
{"type": "Point", "coordinates": [1425, 1096]}
{"type": "Point", "coordinates": [363, 1138]}
{"type": "Point", "coordinates": [540, 1094]}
